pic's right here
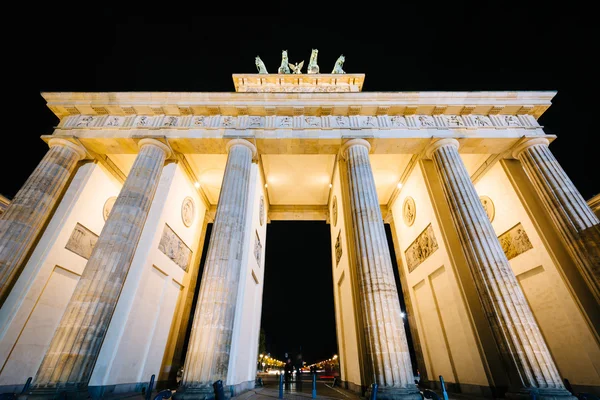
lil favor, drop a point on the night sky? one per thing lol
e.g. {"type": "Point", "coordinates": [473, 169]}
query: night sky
{"type": "Point", "coordinates": [462, 47]}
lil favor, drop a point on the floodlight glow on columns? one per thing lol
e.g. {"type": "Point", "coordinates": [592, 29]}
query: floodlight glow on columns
{"type": "Point", "coordinates": [266, 185]}
{"type": "Point", "coordinates": [197, 185]}
{"type": "Point", "coordinates": [399, 185]}
{"type": "Point", "coordinates": [330, 186]}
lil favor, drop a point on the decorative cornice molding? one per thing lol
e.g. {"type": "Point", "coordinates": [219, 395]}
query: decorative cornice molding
{"type": "Point", "coordinates": [594, 204]}
{"type": "Point", "coordinates": [365, 103]}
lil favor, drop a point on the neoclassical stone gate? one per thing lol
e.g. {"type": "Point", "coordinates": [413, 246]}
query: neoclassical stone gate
{"type": "Point", "coordinates": [497, 251]}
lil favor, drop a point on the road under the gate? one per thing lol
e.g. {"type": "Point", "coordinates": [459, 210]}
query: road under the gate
{"type": "Point", "coordinates": [298, 388]}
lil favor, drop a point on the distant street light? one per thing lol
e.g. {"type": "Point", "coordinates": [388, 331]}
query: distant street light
{"type": "Point", "coordinates": [402, 314]}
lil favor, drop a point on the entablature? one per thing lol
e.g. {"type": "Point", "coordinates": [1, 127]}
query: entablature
{"type": "Point", "coordinates": [533, 103]}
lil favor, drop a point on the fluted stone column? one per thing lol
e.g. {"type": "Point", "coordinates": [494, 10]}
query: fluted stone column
{"type": "Point", "coordinates": [514, 327]}
{"type": "Point", "coordinates": [207, 357]}
{"type": "Point", "coordinates": [387, 347]}
{"type": "Point", "coordinates": [27, 213]}
{"type": "Point", "coordinates": [574, 219]}
{"type": "Point", "coordinates": [69, 361]}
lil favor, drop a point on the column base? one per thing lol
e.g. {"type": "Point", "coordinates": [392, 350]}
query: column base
{"type": "Point", "coordinates": [410, 392]}
{"type": "Point", "coordinates": [58, 393]}
{"type": "Point", "coordinates": [199, 393]}
{"type": "Point", "coordinates": [540, 394]}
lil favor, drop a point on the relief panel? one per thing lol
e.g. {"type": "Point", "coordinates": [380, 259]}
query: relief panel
{"type": "Point", "coordinates": [82, 241]}
{"type": "Point", "coordinates": [515, 241]}
{"type": "Point", "coordinates": [174, 248]}
{"type": "Point", "coordinates": [424, 245]}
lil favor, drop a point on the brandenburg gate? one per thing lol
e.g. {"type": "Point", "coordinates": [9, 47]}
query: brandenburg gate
{"type": "Point", "coordinates": [498, 253]}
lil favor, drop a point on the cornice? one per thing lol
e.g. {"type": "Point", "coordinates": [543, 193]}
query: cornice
{"type": "Point", "coordinates": [594, 204]}
{"type": "Point", "coordinates": [534, 103]}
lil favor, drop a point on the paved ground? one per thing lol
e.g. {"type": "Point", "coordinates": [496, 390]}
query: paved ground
{"type": "Point", "coordinates": [324, 391]}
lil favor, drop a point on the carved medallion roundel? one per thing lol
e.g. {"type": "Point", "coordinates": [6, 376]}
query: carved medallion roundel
{"type": "Point", "coordinates": [409, 211]}
{"type": "Point", "coordinates": [261, 210]}
{"type": "Point", "coordinates": [187, 211]}
{"type": "Point", "coordinates": [488, 206]}
{"type": "Point", "coordinates": [108, 205]}
{"type": "Point", "coordinates": [334, 211]}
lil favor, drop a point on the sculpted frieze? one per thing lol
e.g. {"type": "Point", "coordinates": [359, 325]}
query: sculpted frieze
{"type": "Point", "coordinates": [479, 121]}
{"type": "Point", "coordinates": [82, 241]}
{"type": "Point", "coordinates": [85, 121]}
{"type": "Point", "coordinates": [453, 121]}
{"type": "Point", "coordinates": [228, 121]}
{"type": "Point", "coordinates": [258, 249]}
{"type": "Point", "coordinates": [284, 122]}
{"type": "Point", "coordinates": [515, 241]}
{"type": "Point", "coordinates": [293, 89]}
{"type": "Point", "coordinates": [398, 121]}
{"type": "Point", "coordinates": [143, 121]}
{"type": "Point", "coordinates": [338, 248]}
{"type": "Point", "coordinates": [441, 121]}
{"type": "Point", "coordinates": [201, 121]}
{"type": "Point", "coordinates": [425, 121]}
{"type": "Point", "coordinates": [173, 247]}
{"type": "Point", "coordinates": [341, 122]}
{"type": "Point", "coordinates": [170, 121]}
{"type": "Point", "coordinates": [114, 121]}
{"type": "Point", "coordinates": [368, 122]}
{"type": "Point", "coordinates": [256, 122]}
{"type": "Point", "coordinates": [312, 122]}
{"type": "Point", "coordinates": [424, 245]}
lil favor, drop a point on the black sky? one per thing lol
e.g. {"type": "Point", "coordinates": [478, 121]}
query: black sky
{"type": "Point", "coordinates": [457, 46]}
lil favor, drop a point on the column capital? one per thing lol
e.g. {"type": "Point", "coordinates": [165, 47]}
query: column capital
{"type": "Point", "coordinates": [149, 141]}
{"type": "Point", "coordinates": [78, 149]}
{"type": "Point", "coordinates": [354, 142]}
{"type": "Point", "coordinates": [440, 143]}
{"type": "Point", "coordinates": [242, 142]}
{"type": "Point", "coordinates": [527, 144]}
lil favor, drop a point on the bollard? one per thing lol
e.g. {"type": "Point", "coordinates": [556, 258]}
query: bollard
{"type": "Point", "coordinates": [150, 387]}
{"type": "Point", "coordinates": [27, 384]}
{"type": "Point", "coordinates": [314, 386]}
{"type": "Point", "coordinates": [568, 386]}
{"type": "Point", "coordinates": [218, 388]}
{"type": "Point", "coordinates": [281, 386]}
{"type": "Point", "coordinates": [443, 384]}
{"type": "Point", "coordinates": [374, 391]}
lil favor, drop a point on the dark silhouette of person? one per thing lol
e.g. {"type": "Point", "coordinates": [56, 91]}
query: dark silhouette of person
{"type": "Point", "coordinates": [289, 367]}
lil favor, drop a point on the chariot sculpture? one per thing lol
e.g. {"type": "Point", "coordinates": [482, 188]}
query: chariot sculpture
{"type": "Point", "coordinates": [287, 68]}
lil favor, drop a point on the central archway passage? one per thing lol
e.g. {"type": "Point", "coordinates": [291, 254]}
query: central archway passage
{"type": "Point", "coordinates": [298, 312]}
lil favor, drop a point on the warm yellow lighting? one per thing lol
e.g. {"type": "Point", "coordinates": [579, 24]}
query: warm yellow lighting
{"type": "Point", "coordinates": [334, 356]}
{"type": "Point", "coordinates": [399, 185]}
{"type": "Point", "coordinates": [266, 185]}
{"type": "Point", "coordinates": [197, 185]}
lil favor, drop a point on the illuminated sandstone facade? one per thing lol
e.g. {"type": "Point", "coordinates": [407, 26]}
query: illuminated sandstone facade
{"type": "Point", "coordinates": [498, 253]}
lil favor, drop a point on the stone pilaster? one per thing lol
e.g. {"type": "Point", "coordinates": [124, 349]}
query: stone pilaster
{"type": "Point", "coordinates": [572, 216]}
{"type": "Point", "coordinates": [209, 345]}
{"type": "Point", "coordinates": [27, 213]}
{"type": "Point", "coordinates": [531, 368]}
{"type": "Point", "coordinates": [387, 347]}
{"type": "Point", "coordinates": [69, 361]}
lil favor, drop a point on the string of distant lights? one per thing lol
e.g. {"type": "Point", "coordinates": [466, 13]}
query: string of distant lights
{"type": "Point", "coordinates": [267, 362]}
{"type": "Point", "coordinates": [321, 364]}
